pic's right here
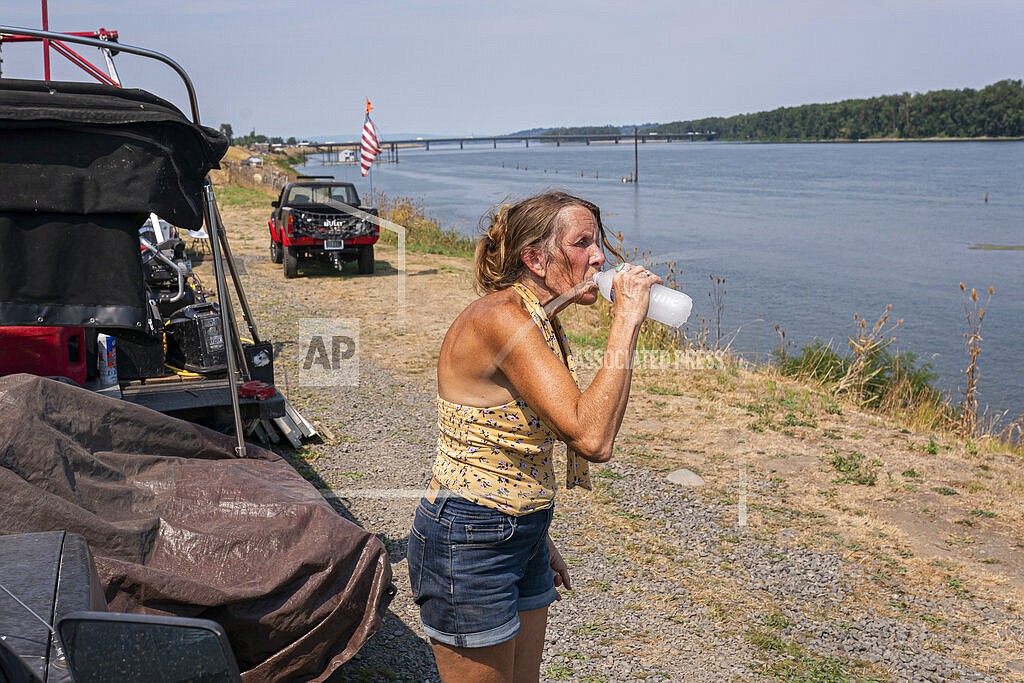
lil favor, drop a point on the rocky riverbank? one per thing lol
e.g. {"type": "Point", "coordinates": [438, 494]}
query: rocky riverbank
{"type": "Point", "coordinates": [806, 540]}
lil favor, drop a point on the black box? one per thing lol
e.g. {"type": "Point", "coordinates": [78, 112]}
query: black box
{"type": "Point", "coordinates": [140, 357]}
{"type": "Point", "coordinates": [259, 358]}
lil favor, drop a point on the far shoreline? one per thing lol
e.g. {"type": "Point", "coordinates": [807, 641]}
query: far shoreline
{"type": "Point", "coordinates": [841, 141]}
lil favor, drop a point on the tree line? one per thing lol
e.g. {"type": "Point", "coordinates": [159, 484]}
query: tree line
{"type": "Point", "coordinates": [996, 111]}
{"type": "Point", "coordinates": [253, 137]}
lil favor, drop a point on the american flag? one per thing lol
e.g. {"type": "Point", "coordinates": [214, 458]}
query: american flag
{"type": "Point", "coordinates": [370, 147]}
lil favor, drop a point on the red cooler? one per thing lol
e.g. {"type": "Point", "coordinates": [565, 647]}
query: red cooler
{"type": "Point", "coordinates": [47, 351]}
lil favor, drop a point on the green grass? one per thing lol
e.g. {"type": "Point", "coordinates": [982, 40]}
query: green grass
{"type": "Point", "coordinates": [595, 341]}
{"type": "Point", "coordinates": [793, 663]}
{"type": "Point", "coordinates": [558, 672]}
{"type": "Point", "coordinates": [590, 629]}
{"type": "Point", "coordinates": [242, 197]}
{"type": "Point", "coordinates": [854, 469]}
{"type": "Point", "coordinates": [791, 420]}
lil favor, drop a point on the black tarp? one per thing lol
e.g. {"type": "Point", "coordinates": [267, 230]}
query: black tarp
{"type": "Point", "coordinates": [86, 148]}
{"type": "Point", "coordinates": [179, 525]}
{"type": "Point", "coordinates": [63, 269]}
{"type": "Point", "coordinates": [81, 166]}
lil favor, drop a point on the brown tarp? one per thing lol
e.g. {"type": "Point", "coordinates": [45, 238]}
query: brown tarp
{"type": "Point", "coordinates": [179, 525]}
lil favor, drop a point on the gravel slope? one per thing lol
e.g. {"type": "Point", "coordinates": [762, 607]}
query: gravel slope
{"type": "Point", "coordinates": [666, 586]}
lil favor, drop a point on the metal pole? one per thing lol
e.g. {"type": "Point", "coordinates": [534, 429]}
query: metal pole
{"type": "Point", "coordinates": [46, 43]}
{"type": "Point", "coordinates": [636, 158]}
{"type": "Point", "coordinates": [210, 214]}
{"type": "Point", "coordinates": [103, 44]}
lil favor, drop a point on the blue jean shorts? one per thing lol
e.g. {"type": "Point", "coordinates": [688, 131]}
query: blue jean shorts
{"type": "Point", "coordinates": [474, 568]}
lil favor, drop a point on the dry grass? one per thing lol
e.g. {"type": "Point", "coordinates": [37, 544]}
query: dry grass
{"type": "Point", "coordinates": [974, 312]}
{"type": "Point", "coordinates": [423, 234]}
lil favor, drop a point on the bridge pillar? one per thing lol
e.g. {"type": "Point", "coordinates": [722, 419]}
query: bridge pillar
{"type": "Point", "coordinates": [558, 143]}
{"type": "Point", "coordinates": [495, 143]}
{"type": "Point", "coordinates": [527, 141]}
{"type": "Point", "coordinates": [588, 142]}
{"type": "Point", "coordinates": [428, 145]}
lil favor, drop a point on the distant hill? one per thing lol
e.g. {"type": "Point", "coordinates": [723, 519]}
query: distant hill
{"type": "Point", "coordinates": [584, 130]}
{"type": "Point", "coordinates": [995, 111]}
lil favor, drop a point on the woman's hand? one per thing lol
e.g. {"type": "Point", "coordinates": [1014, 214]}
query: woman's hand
{"type": "Point", "coordinates": [632, 286]}
{"type": "Point", "coordinates": [559, 568]}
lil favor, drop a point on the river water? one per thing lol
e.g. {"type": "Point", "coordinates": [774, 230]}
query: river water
{"type": "Point", "coordinates": [805, 235]}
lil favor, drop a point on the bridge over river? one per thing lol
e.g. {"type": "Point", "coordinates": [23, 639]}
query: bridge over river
{"type": "Point", "coordinates": [333, 151]}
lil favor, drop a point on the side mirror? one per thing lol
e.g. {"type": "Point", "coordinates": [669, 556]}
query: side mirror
{"type": "Point", "coordinates": [110, 646]}
{"type": "Point", "coordinates": [275, 204]}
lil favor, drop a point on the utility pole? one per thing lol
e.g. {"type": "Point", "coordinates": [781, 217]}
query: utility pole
{"type": "Point", "coordinates": [636, 158]}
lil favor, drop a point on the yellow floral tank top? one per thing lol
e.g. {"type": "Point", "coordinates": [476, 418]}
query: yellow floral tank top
{"type": "Point", "coordinates": [501, 457]}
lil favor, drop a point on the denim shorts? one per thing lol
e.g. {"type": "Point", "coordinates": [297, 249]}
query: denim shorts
{"type": "Point", "coordinates": [474, 568]}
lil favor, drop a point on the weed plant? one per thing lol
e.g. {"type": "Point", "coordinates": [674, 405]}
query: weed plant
{"type": "Point", "coordinates": [422, 234]}
{"type": "Point", "coordinates": [975, 314]}
{"type": "Point", "coordinates": [872, 375]}
{"type": "Point", "coordinates": [288, 162]}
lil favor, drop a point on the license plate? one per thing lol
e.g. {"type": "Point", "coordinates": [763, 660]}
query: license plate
{"type": "Point", "coordinates": [334, 244]}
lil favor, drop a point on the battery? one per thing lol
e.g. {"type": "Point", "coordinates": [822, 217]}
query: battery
{"type": "Point", "coordinates": [195, 339]}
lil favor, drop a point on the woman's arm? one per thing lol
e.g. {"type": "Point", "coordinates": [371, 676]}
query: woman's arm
{"type": "Point", "coordinates": [558, 567]}
{"type": "Point", "coordinates": [587, 421]}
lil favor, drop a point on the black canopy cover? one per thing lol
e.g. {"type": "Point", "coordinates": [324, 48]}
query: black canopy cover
{"type": "Point", "coordinates": [81, 166]}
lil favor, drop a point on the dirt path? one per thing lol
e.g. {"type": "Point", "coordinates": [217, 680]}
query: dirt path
{"type": "Point", "coordinates": [816, 540]}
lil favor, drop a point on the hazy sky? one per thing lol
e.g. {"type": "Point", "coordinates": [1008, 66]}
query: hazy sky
{"type": "Point", "coordinates": [458, 67]}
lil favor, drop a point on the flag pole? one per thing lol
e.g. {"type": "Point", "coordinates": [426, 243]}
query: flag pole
{"type": "Point", "coordinates": [369, 149]}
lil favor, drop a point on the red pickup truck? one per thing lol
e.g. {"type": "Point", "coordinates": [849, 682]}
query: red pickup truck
{"type": "Point", "coordinates": [322, 219]}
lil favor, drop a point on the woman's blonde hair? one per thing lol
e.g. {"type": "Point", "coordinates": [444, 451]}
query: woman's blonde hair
{"type": "Point", "coordinates": [509, 229]}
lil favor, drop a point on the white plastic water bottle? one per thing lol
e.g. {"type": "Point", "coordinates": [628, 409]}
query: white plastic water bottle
{"type": "Point", "coordinates": [667, 305]}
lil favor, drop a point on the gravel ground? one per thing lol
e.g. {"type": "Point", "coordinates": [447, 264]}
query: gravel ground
{"type": "Point", "coordinates": [667, 586]}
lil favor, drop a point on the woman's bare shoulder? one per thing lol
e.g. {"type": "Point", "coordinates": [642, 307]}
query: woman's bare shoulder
{"type": "Point", "coordinates": [493, 314]}
{"type": "Point", "coordinates": [467, 367]}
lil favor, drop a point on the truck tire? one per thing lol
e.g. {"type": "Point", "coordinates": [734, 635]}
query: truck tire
{"type": "Point", "coordinates": [291, 262]}
{"type": "Point", "coordinates": [366, 264]}
{"type": "Point", "coordinates": [276, 253]}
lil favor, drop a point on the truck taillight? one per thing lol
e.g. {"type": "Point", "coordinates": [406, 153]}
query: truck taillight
{"type": "Point", "coordinates": [290, 225]}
